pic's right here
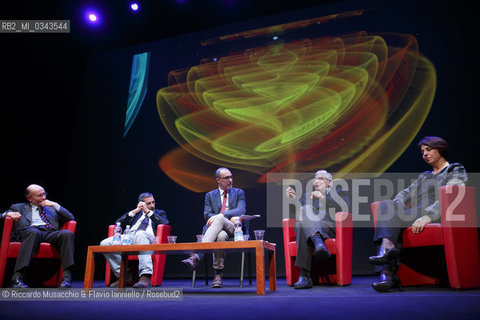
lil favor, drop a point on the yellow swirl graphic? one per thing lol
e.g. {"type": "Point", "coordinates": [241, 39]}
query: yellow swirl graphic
{"type": "Point", "coordinates": [351, 103]}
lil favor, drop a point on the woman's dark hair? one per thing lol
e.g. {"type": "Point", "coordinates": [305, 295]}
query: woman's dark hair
{"type": "Point", "coordinates": [435, 143]}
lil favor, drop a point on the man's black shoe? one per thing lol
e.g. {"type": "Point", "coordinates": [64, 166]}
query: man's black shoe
{"type": "Point", "coordinates": [303, 283]}
{"type": "Point", "coordinates": [321, 252]}
{"type": "Point", "coordinates": [18, 283]}
{"type": "Point", "coordinates": [66, 283]}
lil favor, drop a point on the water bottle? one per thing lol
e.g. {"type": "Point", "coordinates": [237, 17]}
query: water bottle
{"type": "Point", "coordinates": [117, 235]}
{"type": "Point", "coordinates": [238, 235]}
{"type": "Point", "coordinates": [127, 237]}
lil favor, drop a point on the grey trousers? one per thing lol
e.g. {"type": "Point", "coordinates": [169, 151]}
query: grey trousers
{"type": "Point", "coordinates": [308, 223]}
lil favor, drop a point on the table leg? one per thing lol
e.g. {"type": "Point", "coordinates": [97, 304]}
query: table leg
{"type": "Point", "coordinates": [272, 270]}
{"type": "Point", "coordinates": [123, 271]}
{"type": "Point", "coordinates": [89, 271]}
{"type": "Point", "coordinates": [260, 266]}
{"type": "Point", "coordinates": [206, 270]}
{"type": "Point", "coordinates": [249, 268]}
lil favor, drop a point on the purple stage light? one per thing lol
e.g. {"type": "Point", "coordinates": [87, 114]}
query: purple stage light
{"type": "Point", "coordinates": [134, 6]}
{"type": "Point", "coordinates": [92, 17]}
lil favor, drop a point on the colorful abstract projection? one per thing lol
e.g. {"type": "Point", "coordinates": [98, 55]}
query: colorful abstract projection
{"type": "Point", "coordinates": [137, 89]}
{"type": "Point", "coordinates": [347, 104]}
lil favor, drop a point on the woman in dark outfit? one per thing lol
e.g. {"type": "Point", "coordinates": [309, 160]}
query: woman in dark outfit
{"type": "Point", "coordinates": [416, 206]}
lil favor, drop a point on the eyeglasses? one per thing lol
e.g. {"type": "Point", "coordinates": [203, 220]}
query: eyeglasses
{"type": "Point", "coordinates": [226, 178]}
{"type": "Point", "coordinates": [44, 194]}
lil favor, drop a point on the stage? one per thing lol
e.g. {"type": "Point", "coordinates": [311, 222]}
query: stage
{"type": "Point", "coordinates": [357, 301]}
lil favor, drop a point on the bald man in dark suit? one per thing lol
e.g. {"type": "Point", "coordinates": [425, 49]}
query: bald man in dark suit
{"type": "Point", "coordinates": [40, 220]}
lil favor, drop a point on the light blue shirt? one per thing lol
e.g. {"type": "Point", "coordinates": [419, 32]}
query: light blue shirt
{"type": "Point", "coordinates": [36, 219]}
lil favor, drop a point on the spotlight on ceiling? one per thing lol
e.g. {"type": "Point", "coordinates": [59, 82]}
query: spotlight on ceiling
{"type": "Point", "coordinates": [134, 6]}
{"type": "Point", "coordinates": [92, 17]}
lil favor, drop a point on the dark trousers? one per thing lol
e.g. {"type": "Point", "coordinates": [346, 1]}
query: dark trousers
{"type": "Point", "coordinates": [31, 237]}
{"type": "Point", "coordinates": [392, 219]}
{"type": "Point", "coordinates": [307, 225]}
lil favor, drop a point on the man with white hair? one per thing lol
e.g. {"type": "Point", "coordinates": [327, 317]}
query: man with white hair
{"type": "Point", "coordinates": [314, 224]}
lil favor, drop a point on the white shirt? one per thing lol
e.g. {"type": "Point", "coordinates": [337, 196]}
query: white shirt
{"type": "Point", "coordinates": [149, 229]}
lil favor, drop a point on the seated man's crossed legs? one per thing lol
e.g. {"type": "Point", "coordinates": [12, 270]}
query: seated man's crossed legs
{"type": "Point", "coordinates": [221, 229]}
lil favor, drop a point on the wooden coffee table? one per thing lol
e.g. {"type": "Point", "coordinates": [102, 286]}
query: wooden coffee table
{"type": "Point", "coordinates": [257, 246]}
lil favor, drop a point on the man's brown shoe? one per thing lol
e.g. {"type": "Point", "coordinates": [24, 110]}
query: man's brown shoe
{"type": "Point", "coordinates": [114, 284]}
{"type": "Point", "coordinates": [144, 282]}
{"type": "Point", "coordinates": [192, 262]}
{"type": "Point", "coordinates": [131, 279]}
{"type": "Point", "coordinates": [217, 281]}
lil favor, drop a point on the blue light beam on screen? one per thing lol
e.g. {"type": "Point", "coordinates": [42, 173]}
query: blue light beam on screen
{"type": "Point", "coordinates": [137, 89]}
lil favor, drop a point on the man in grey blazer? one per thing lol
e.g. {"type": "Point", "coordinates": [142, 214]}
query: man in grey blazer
{"type": "Point", "coordinates": [223, 206]}
{"type": "Point", "coordinates": [314, 223]}
{"type": "Point", "coordinates": [40, 220]}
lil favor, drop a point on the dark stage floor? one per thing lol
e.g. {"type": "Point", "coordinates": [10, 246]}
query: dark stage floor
{"type": "Point", "coordinates": [357, 301]}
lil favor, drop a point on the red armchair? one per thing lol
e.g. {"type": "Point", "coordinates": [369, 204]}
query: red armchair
{"type": "Point", "coordinates": [10, 249]}
{"type": "Point", "coordinates": [458, 238]}
{"type": "Point", "coordinates": [340, 247]}
{"type": "Point", "coordinates": [163, 231]}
